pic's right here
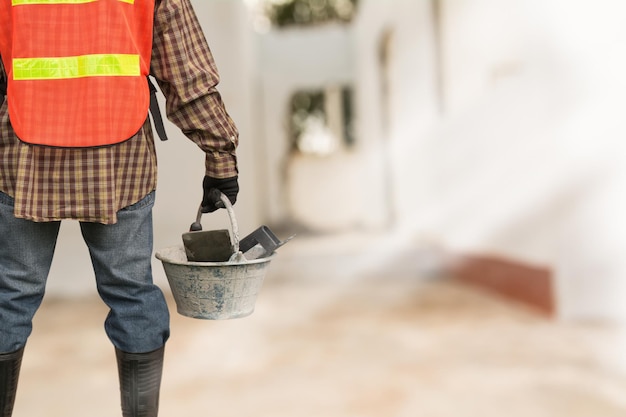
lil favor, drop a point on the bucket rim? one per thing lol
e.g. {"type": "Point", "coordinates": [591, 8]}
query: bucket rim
{"type": "Point", "coordinates": [160, 255]}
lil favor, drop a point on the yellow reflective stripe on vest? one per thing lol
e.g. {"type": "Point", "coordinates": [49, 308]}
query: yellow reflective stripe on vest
{"type": "Point", "coordinates": [100, 65]}
{"type": "Point", "coordinates": [23, 2]}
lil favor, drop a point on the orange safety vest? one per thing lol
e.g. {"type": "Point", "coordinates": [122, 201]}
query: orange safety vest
{"type": "Point", "coordinates": [76, 69]}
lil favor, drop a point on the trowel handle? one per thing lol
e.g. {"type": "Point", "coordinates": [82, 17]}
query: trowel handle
{"type": "Point", "coordinates": [223, 203]}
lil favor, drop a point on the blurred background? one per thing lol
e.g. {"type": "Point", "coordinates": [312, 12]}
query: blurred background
{"type": "Point", "coordinates": [454, 172]}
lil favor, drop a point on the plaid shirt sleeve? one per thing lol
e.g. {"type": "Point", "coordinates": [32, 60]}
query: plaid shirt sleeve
{"type": "Point", "coordinates": [183, 65]}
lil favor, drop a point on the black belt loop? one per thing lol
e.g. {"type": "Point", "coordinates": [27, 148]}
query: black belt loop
{"type": "Point", "coordinates": [3, 80]}
{"type": "Point", "coordinates": [155, 111]}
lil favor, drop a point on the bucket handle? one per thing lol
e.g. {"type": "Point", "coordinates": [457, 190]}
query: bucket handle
{"type": "Point", "coordinates": [223, 203]}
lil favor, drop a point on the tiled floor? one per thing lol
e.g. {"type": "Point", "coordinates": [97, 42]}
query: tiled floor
{"type": "Point", "coordinates": [348, 327]}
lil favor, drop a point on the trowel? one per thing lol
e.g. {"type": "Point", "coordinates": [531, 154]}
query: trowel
{"type": "Point", "coordinates": [261, 243]}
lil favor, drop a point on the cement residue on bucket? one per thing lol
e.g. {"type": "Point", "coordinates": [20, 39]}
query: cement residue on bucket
{"type": "Point", "coordinates": [213, 290]}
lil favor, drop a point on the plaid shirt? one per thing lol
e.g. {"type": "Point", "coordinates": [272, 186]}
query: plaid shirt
{"type": "Point", "coordinates": [92, 184]}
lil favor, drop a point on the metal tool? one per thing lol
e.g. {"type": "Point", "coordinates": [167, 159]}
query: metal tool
{"type": "Point", "coordinates": [213, 245]}
{"type": "Point", "coordinates": [261, 243]}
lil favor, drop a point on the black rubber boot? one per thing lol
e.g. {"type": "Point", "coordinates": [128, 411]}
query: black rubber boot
{"type": "Point", "coordinates": [140, 382]}
{"type": "Point", "coordinates": [10, 364]}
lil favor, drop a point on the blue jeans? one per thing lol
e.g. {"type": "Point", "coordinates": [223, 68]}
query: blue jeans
{"type": "Point", "coordinates": [138, 319]}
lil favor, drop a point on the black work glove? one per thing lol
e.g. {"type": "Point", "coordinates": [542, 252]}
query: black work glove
{"type": "Point", "coordinates": [210, 199]}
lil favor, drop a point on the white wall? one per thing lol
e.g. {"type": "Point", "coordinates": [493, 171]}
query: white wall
{"type": "Point", "coordinates": [530, 155]}
{"type": "Point", "coordinates": [391, 130]}
{"type": "Point", "coordinates": [526, 160]}
{"type": "Point", "coordinates": [498, 157]}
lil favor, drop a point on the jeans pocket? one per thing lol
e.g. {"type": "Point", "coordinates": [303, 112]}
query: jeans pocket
{"type": "Point", "coordinates": [6, 200]}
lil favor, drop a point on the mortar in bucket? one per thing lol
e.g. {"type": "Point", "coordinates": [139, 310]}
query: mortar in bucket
{"type": "Point", "coordinates": [214, 290]}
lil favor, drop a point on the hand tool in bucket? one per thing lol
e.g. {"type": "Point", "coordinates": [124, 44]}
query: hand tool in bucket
{"type": "Point", "coordinates": [212, 245]}
{"type": "Point", "coordinates": [261, 243]}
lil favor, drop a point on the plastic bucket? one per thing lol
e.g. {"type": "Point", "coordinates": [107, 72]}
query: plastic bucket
{"type": "Point", "coordinates": [213, 290]}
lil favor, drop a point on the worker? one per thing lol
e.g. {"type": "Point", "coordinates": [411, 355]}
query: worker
{"type": "Point", "coordinates": [76, 143]}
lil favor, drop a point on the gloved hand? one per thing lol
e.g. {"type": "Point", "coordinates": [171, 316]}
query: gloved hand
{"type": "Point", "coordinates": [228, 186]}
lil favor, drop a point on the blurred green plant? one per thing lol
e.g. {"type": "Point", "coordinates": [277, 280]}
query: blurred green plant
{"type": "Point", "coordinates": [284, 13]}
{"type": "Point", "coordinates": [305, 105]}
{"type": "Point", "coordinates": [308, 123]}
